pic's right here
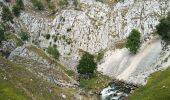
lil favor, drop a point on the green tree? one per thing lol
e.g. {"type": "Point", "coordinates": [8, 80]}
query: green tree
{"type": "Point", "coordinates": [133, 41]}
{"type": "Point", "coordinates": [86, 65]}
{"type": "Point", "coordinates": [6, 14]}
{"type": "Point", "coordinates": [54, 52]}
{"type": "Point", "coordinates": [163, 28]}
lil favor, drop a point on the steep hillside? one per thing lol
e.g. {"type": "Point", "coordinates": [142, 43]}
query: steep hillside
{"type": "Point", "coordinates": [157, 87]}
{"type": "Point", "coordinates": [43, 44]}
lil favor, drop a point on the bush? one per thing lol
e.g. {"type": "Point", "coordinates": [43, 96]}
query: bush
{"type": "Point", "coordinates": [16, 10]}
{"type": "Point", "coordinates": [86, 65]}
{"type": "Point", "coordinates": [63, 3]}
{"type": "Point", "coordinates": [133, 41]}
{"type": "Point", "coordinates": [20, 4]}
{"type": "Point", "coordinates": [37, 4]}
{"type": "Point", "coordinates": [24, 36]}
{"type": "Point", "coordinates": [54, 52]}
{"type": "Point", "coordinates": [163, 28]}
{"type": "Point", "coordinates": [2, 35]}
{"type": "Point", "coordinates": [6, 14]}
{"type": "Point", "coordinates": [75, 2]}
{"type": "Point", "coordinates": [47, 36]}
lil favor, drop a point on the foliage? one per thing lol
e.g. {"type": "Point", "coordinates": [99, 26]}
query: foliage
{"type": "Point", "coordinates": [50, 5]}
{"type": "Point", "coordinates": [133, 41]}
{"type": "Point", "coordinates": [16, 10]}
{"type": "Point", "coordinates": [24, 36]}
{"type": "Point", "coordinates": [12, 36]}
{"type": "Point", "coordinates": [20, 4]}
{"type": "Point", "coordinates": [54, 52]}
{"type": "Point", "coordinates": [63, 3]}
{"type": "Point", "coordinates": [47, 36]}
{"type": "Point", "coordinates": [75, 2]}
{"type": "Point", "coordinates": [2, 35]}
{"type": "Point", "coordinates": [100, 1]}
{"type": "Point", "coordinates": [18, 7]}
{"type": "Point", "coordinates": [157, 87]}
{"type": "Point", "coordinates": [6, 14]}
{"type": "Point", "coordinates": [163, 29]}
{"type": "Point", "coordinates": [37, 4]}
{"type": "Point", "coordinates": [86, 65]}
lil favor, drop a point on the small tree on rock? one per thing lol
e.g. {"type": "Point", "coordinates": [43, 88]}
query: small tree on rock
{"type": "Point", "coordinates": [163, 29]}
{"type": "Point", "coordinates": [133, 41]}
{"type": "Point", "coordinates": [86, 65]}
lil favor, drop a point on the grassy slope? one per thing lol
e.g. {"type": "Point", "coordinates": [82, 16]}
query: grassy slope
{"type": "Point", "coordinates": [96, 83]}
{"type": "Point", "coordinates": [24, 85]}
{"type": "Point", "coordinates": [157, 88]}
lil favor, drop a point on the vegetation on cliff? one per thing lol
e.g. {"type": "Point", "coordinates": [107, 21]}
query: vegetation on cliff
{"type": "Point", "coordinates": [133, 41]}
{"type": "Point", "coordinates": [163, 28]}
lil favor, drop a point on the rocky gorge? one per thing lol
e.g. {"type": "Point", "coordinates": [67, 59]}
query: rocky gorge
{"type": "Point", "coordinates": [93, 27]}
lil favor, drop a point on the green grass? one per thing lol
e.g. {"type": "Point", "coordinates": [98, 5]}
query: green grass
{"type": "Point", "coordinates": [157, 88]}
{"type": "Point", "coordinates": [24, 85]}
{"type": "Point", "coordinates": [95, 83]}
{"type": "Point", "coordinates": [9, 92]}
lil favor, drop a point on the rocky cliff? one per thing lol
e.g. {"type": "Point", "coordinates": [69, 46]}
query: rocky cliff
{"type": "Point", "coordinates": [95, 26]}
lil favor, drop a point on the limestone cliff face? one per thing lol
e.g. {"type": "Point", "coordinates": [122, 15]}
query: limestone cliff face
{"type": "Point", "coordinates": [94, 26]}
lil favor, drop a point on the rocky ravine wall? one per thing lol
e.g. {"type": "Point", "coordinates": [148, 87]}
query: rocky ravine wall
{"type": "Point", "coordinates": [95, 26]}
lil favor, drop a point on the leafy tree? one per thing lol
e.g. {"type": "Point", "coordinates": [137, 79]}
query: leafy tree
{"type": "Point", "coordinates": [133, 41]}
{"type": "Point", "coordinates": [86, 65]}
{"type": "Point", "coordinates": [6, 14]}
{"type": "Point", "coordinates": [163, 28]}
{"type": "Point", "coordinates": [53, 51]}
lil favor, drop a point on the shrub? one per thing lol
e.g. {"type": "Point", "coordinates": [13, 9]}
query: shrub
{"type": "Point", "coordinates": [16, 10]}
{"type": "Point", "coordinates": [47, 36]}
{"type": "Point", "coordinates": [163, 28]}
{"type": "Point", "coordinates": [24, 36]}
{"type": "Point", "coordinates": [86, 65]}
{"type": "Point", "coordinates": [63, 3]}
{"type": "Point", "coordinates": [20, 4]}
{"type": "Point", "coordinates": [133, 41]}
{"type": "Point", "coordinates": [37, 4]}
{"type": "Point", "coordinates": [2, 35]}
{"type": "Point", "coordinates": [54, 52]}
{"type": "Point", "coordinates": [75, 2]}
{"type": "Point", "coordinates": [6, 14]}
